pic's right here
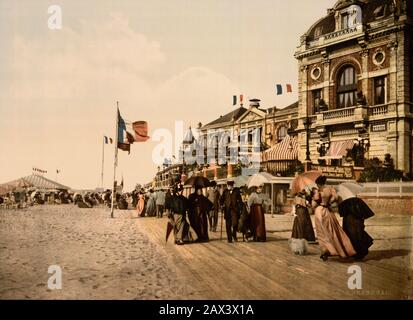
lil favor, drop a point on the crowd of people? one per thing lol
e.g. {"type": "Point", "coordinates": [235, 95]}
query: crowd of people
{"type": "Point", "coordinates": [351, 240]}
{"type": "Point", "coordinates": [192, 218]}
{"type": "Point", "coordinates": [29, 197]}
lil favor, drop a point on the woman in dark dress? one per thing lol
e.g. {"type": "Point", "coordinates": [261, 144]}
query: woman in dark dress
{"type": "Point", "coordinates": [302, 227]}
{"type": "Point", "coordinates": [354, 211]}
{"type": "Point", "coordinates": [257, 203]}
{"type": "Point", "coordinates": [199, 206]}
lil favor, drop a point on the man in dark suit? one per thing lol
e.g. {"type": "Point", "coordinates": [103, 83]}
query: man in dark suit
{"type": "Point", "coordinates": [231, 202]}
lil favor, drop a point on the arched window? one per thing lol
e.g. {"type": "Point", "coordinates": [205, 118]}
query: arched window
{"type": "Point", "coordinates": [347, 87]}
{"type": "Point", "coordinates": [281, 133]}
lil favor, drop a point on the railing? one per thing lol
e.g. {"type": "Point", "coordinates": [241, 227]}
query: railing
{"type": "Point", "coordinates": [339, 113]}
{"type": "Point", "coordinates": [340, 33]}
{"type": "Point", "coordinates": [388, 189]}
{"type": "Point", "coordinates": [379, 110]}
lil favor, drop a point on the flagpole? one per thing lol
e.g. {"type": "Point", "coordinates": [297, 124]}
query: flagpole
{"type": "Point", "coordinates": [115, 162]}
{"type": "Point", "coordinates": [103, 161]}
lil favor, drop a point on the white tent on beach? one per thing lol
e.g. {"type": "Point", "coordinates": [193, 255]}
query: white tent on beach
{"type": "Point", "coordinates": [33, 181]}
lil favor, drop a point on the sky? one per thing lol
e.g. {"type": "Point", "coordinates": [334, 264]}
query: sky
{"type": "Point", "coordinates": [164, 61]}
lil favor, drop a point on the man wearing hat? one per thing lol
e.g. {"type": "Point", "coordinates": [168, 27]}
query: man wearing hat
{"type": "Point", "coordinates": [213, 196]}
{"type": "Point", "coordinates": [231, 201]}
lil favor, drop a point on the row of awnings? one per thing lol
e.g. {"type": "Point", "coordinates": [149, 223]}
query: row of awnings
{"type": "Point", "coordinates": [287, 149]}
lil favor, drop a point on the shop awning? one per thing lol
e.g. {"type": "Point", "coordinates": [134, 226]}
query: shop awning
{"type": "Point", "coordinates": [338, 149]}
{"type": "Point", "coordinates": [287, 149]}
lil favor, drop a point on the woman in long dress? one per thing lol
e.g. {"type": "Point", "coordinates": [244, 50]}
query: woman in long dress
{"type": "Point", "coordinates": [331, 237]}
{"type": "Point", "coordinates": [140, 207]}
{"type": "Point", "coordinates": [151, 207]}
{"type": "Point", "coordinates": [257, 202]}
{"type": "Point", "coordinates": [354, 211]}
{"type": "Point", "coordinates": [199, 206]}
{"type": "Point", "coordinates": [302, 227]}
{"type": "Point", "coordinates": [179, 206]}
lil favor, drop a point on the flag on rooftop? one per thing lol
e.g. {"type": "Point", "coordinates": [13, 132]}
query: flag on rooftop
{"type": "Point", "coordinates": [235, 99]}
{"type": "Point", "coordinates": [279, 87]}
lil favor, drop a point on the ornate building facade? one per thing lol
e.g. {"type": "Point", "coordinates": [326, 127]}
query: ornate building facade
{"type": "Point", "coordinates": [355, 85]}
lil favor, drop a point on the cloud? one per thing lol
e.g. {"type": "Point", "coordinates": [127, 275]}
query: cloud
{"type": "Point", "coordinates": [65, 64]}
{"type": "Point", "coordinates": [61, 94]}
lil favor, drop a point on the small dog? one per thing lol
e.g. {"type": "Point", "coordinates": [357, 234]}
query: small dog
{"type": "Point", "coordinates": [298, 246]}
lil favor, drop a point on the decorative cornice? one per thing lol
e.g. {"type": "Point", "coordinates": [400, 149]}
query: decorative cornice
{"type": "Point", "coordinates": [362, 40]}
{"type": "Point", "coordinates": [307, 54]}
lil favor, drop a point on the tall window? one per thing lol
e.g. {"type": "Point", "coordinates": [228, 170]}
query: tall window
{"type": "Point", "coordinates": [316, 100]}
{"type": "Point", "coordinates": [282, 132]}
{"type": "Point", "coordinates": [345, 18]}
{"type": "Point", "coordinates": [347, 88]}
{"type": "Point", "coordinates": [380, 90]}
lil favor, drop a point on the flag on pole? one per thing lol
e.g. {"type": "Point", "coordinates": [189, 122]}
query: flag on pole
{"type": "Point", "coordinates": [123, 143]}
{"type": "Point", "coordinates": [108, 140]}
{"type": "Point", "coordinates": [141, 131]}
{"type": "Point", "coordinates": [241, 99]}
{"type": "Point", "coordinates": [279, 89]}
{"type": "Point", "coordinates": [289, 88]}
{"type": "Point", "coordinates": [234, 100]}
{"type": "Point", "coordinates": [39, 170]}
{"type": "Point", "coordinates": [130, 132]}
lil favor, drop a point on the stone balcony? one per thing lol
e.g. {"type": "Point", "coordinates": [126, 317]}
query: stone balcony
{"type": "Point", "coordinates": [336, 36]}
{"type": "Point", "coordinates": [357, 115]}
{"type": "Point", "coordinates": [346, 115]}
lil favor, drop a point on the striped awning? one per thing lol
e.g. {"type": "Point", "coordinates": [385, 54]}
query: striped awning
{"type": "Point", "coordinates": [287, 149]}
{"type": "Point", "coordinates": [338, 149]}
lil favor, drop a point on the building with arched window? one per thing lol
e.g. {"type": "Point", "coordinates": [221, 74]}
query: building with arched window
{"type": "Point", "coordinates": [355, 84]}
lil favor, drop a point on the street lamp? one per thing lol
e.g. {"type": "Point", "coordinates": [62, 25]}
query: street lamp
{"type": "Point", "coordinates": [307, 124]}
{"type": "Point", "coordinates": [361, 147]}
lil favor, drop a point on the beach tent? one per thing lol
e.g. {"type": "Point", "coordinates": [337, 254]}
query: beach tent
{"type": "Point", "coordinates": [33, 181]}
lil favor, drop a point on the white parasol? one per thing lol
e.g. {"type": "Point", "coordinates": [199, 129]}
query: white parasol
{"type": "Point", "coordinates": [349, 190]}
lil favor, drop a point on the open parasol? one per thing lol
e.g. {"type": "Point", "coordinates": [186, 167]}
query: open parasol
{"type": "Point", "coordinates": [259, 179]}
{"type": "Point", "coordinates": [303, 180]}
{"type": "Point", "coordinates": [349, 190]}
{"type": "Point", "coordinates": [198, 181]}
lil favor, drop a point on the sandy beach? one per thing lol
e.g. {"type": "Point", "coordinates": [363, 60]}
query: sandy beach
{"type": "Point", "coordinates": [100, 258]}
{"type": "Point", "coordinates": [127, 258]}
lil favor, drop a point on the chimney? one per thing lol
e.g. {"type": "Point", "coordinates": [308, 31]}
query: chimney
{"type": "Point", "coordinates": [255, 103]}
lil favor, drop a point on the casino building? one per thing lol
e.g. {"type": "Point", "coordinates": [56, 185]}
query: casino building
{"type": "Point", "coordinates": [355, 94]}
{"type": "Point", "coordinates": [355, 85]}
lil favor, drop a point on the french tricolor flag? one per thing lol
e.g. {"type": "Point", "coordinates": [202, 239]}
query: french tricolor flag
{"type": "Point", "coordinates": [289, 89]}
